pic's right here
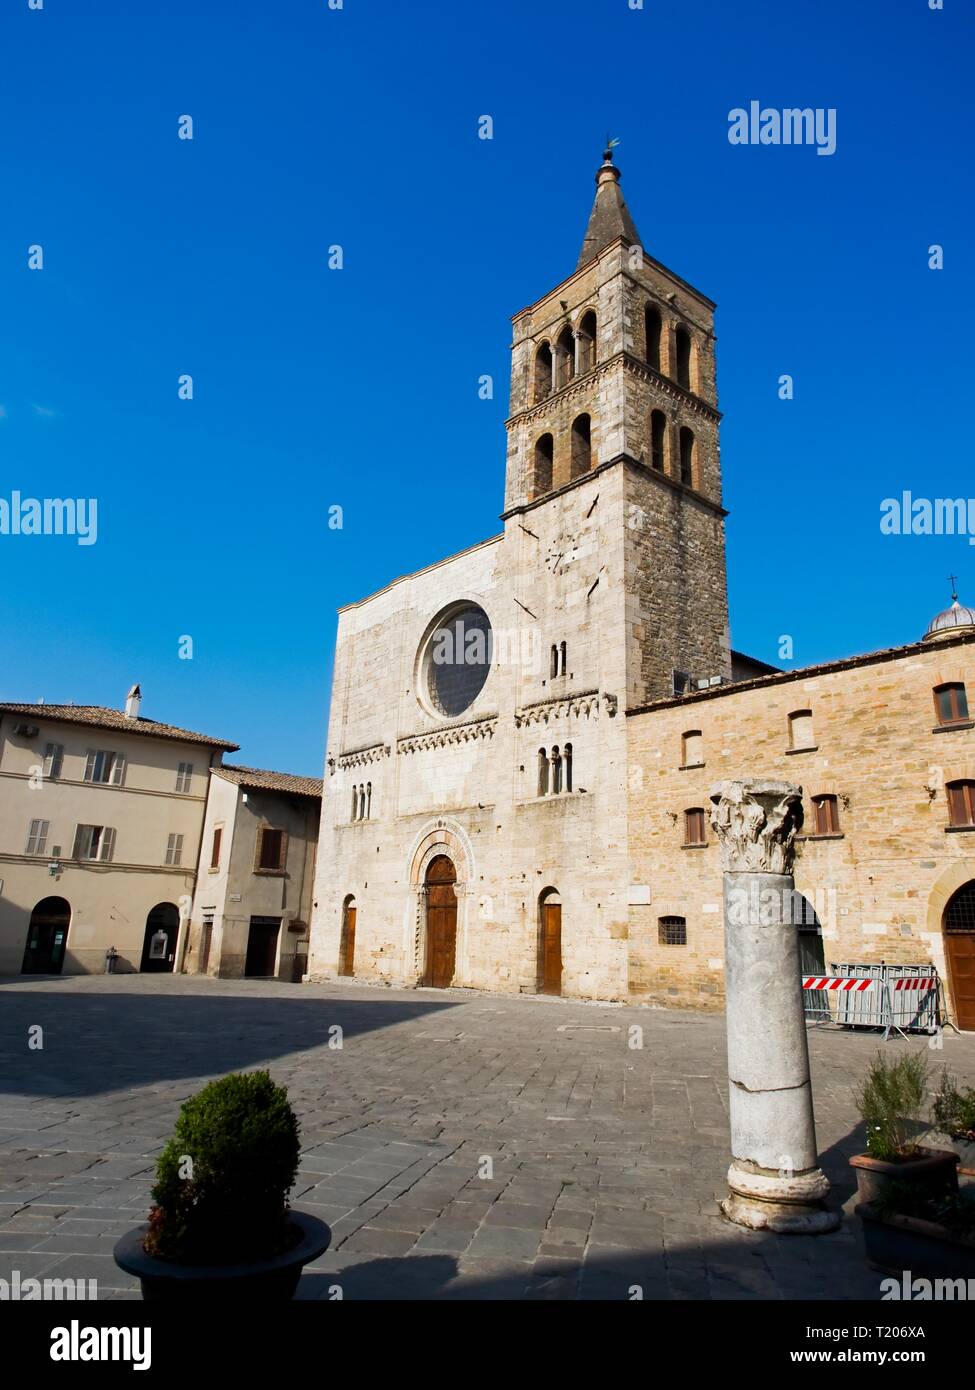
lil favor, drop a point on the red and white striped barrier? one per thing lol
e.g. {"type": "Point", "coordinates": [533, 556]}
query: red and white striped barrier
{"type": "Point", "coordinates": [914, 984]}
{"type": "Point", "coordinates": [840, 982]}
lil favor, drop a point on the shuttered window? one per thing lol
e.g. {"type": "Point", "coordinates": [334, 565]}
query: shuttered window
{"type": "Point", "coordinates": [104, 766]}
{"type": "Point", "coordinates": [271, 845]}
{"type": "Point", "coordinates": [53, 758]}
{"type": "Point", "coordinates": [961, 803]}
{"type": "Point", "coordinates": [174, 849]}
{"type": "Point", "coordinates": [184, 777]}
{"type": "Point", "coordinates": [94, 842]}
{"type": "Point", "coordinates": [694, 826]}
{"type": "Point", "coordinates": [215, 848]}
{"type": "Point", "coordinates": [37, 836]}
{"type": "Point", "coordinates": [827, 815]}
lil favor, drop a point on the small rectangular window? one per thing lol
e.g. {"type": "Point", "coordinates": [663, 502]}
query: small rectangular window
{"type": "Point", "coordinates": [269, 849]}
{"type": "Point", "coordinates": [105, 767]}
{"type": "Point", "coordinates": [801, 730]}
{"type": "Point", "coordinates": [672, 931]}
{"type": "Point", "coordinates": [53, 758]}
{"type": "Point", "coordinates": [184, 777]}
{"type": "Point", "coordinates": [174, 849]}
{"type": "Point", "coordinates": [692, 749]}
{"type": "Point", "coordinates": [215, 849]}
{"type": "Point", "coordinates": [37, 836]}
{"type": "Point", "coordinates": [94, 842]}
{"type": "Point", "coordinates": [961, 803]}
{"type": "Point", "coordinates": [694, 826]}
{"type": "Point", "coordinates": [827, 815]}
{"type": "Point", "coordinates": [951, 702]}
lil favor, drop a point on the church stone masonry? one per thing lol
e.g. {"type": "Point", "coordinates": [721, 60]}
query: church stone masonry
{"type": "Point", "coordinates": [517, 733]}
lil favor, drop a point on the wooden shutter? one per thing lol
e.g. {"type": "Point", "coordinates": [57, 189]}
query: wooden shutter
{"type": "Point", "coordinates": [215, 850]}
{"type": "Point", "coordinates": [106, 848]}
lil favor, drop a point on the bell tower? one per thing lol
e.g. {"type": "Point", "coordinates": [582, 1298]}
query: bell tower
{"type": "Point", "coordinates": [613, 379]}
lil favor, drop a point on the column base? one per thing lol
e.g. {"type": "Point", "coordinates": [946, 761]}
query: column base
{"type": "Point", "coordinates": [787, 1205]}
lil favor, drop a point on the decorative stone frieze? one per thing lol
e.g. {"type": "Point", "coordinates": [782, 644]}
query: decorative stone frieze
{"type": "Point", "coordinates": [583, 704]}
{"type": "Point", "coordinates": [485, 727]}
{"type": "Point", "coordinates": [359, 757]}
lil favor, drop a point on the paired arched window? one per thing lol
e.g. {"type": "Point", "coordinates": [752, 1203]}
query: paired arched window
{"type": "Point", "coordinates": [682, 354]}
{"type": "Point", "coordinates": [555, 770]}
{"type": "Point", "coordinates": [544, 456]}
{"type": "Point", "coordinates": [652, 327]}
{"type": "Point", "coordinates": [565, 358]}
{"type": "Point", "coordinates": [587, 341]}
{"type": "Point", "coordinates": [557, 664]}
{"type": "Point", "coordinates": [687, 456]}
{"type": "Point", "coordinates": [362, 801]}
{"type": "Point", "coordinates": [658, 439]}
{"type": "Point", "coordinates": [543, 372]}
{"type": "Point", "coordinates": [581, 455]}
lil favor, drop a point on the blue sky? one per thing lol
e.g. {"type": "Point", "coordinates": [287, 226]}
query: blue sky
{"type": "Point", "coordinates": [358, 388]}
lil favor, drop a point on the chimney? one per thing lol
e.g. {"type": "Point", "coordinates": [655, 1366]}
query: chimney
{"type": "Point", "coordinates": [132, 702]}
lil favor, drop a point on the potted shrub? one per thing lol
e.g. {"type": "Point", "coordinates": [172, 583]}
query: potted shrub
{"type": "Point", "coordinates": [891, 1102]}
{"type": "Point", "coordinates": [953, 1117]}
{"type": "Point", "coordinates": [905, 1228]}
{"type": "Point", "coordinates": [220, 1222]}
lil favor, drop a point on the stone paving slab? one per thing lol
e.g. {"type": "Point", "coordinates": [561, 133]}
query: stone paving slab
{"type": "Point", "coordinates": [460, 1145]}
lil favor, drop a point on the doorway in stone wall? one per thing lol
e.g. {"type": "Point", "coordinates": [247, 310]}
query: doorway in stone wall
{"type": "Point", "coordinates": [958, 926]}
{"type": "Point", "coordinates": [441, 922]}
{"type": "Point", "coordinates": [550, 942]}
{"type": "Point", "coordinates": [347, 942]}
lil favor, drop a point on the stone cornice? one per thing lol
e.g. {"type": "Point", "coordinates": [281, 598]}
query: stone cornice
{"type": "Point", "coordinates": [583, 702]}
{"type": "Point", "coordinates": [485, 727]}
{"type": "Point", "coordinates": [576, 385]}
{"type": "Point", "coordinates": [670, 387]}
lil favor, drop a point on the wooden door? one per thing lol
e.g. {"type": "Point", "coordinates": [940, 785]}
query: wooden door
{"type": "Point", "coordinates": [347, 952]}
{"type": "Point", "coordinates": [441, 923]}
{"type": "Point", "coordinates": [551, 948]}
{"type": "Point", "coordinates": [959, 936]}
{"type": "Point", "coordinates": [262, 947]}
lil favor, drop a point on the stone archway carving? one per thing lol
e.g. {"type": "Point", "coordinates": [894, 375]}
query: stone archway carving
{"type": "Point", "coordinates": [443, 835]}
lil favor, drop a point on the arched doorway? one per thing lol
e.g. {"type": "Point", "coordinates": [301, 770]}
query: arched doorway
{"type": "Point", "coordinates": [47, 936]}
{"type": "Point", "coordinates": [958, 926]}
{"type": "Point", "coordinates": [159, 943]}
{"type": "Point", "coordinates": [550, 942]}
{"type": "Point", "coordinates": [441, 922]}
{"type": "Point", "coordinates": [347, 942]}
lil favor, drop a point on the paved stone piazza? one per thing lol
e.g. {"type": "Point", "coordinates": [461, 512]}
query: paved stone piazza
{"type": "Point", "coordinates": [607, 1162]}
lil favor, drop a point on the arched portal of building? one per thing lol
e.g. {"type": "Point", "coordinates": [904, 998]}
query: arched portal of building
{"type": "Point", "coordinates": [159, 942]}
{"type": "Point", "coordinates": [441, 945]}
{"type": "Point", "coordinates": [47, 937]}
{"type": "Point", "coordinates": [958, 926]}
{"type": "Point", "coordinates": [347, 942]}
{"type": "Point", "coordinates": [550, 942]}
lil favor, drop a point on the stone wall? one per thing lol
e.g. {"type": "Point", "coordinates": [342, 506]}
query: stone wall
{"type": "Point", "coordinates": [879, 887]}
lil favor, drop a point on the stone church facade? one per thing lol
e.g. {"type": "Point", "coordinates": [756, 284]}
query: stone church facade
{"type": "Point", "coordinates": [522, 736]}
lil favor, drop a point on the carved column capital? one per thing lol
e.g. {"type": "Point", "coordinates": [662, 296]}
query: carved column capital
{"type": "Point", "coordinates": [756, 823]}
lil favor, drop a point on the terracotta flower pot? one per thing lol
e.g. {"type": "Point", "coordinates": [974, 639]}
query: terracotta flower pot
{"type": "Point", "coordinates": [275, 1280]}
{"type": "Point", "coordinates": [933, 1170]}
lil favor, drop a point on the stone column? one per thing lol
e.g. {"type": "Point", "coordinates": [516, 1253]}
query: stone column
{"type": "Point", "coordinates": [775, 1179]}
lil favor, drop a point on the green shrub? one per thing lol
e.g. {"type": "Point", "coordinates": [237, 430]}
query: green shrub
{"type": "Point", "coordinates": [891, 1101]}
{"type": "Point", "coordinates": [955, 1211]}
{"type": "Point", "coordinates": [954, 1110]}
{"type": "Point", "coordinates": [222, 1181]}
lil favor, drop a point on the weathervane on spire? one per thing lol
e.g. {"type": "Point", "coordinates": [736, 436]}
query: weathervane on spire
{"type": "Point", "coordinates": [953, 580]}
{"type": "Point", "coordinates": [611, 144]}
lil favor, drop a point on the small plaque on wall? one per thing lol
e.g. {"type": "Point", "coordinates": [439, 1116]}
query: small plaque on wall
{"type": "Point", "coordinates": [639, 895]}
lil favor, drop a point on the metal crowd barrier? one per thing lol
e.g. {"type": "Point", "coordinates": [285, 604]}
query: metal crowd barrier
{"type": "Point", "coordinates": [905, 998]}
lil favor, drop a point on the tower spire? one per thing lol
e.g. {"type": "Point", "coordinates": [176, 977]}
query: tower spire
{"type": "Point", "coordinates": [610, 217]}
